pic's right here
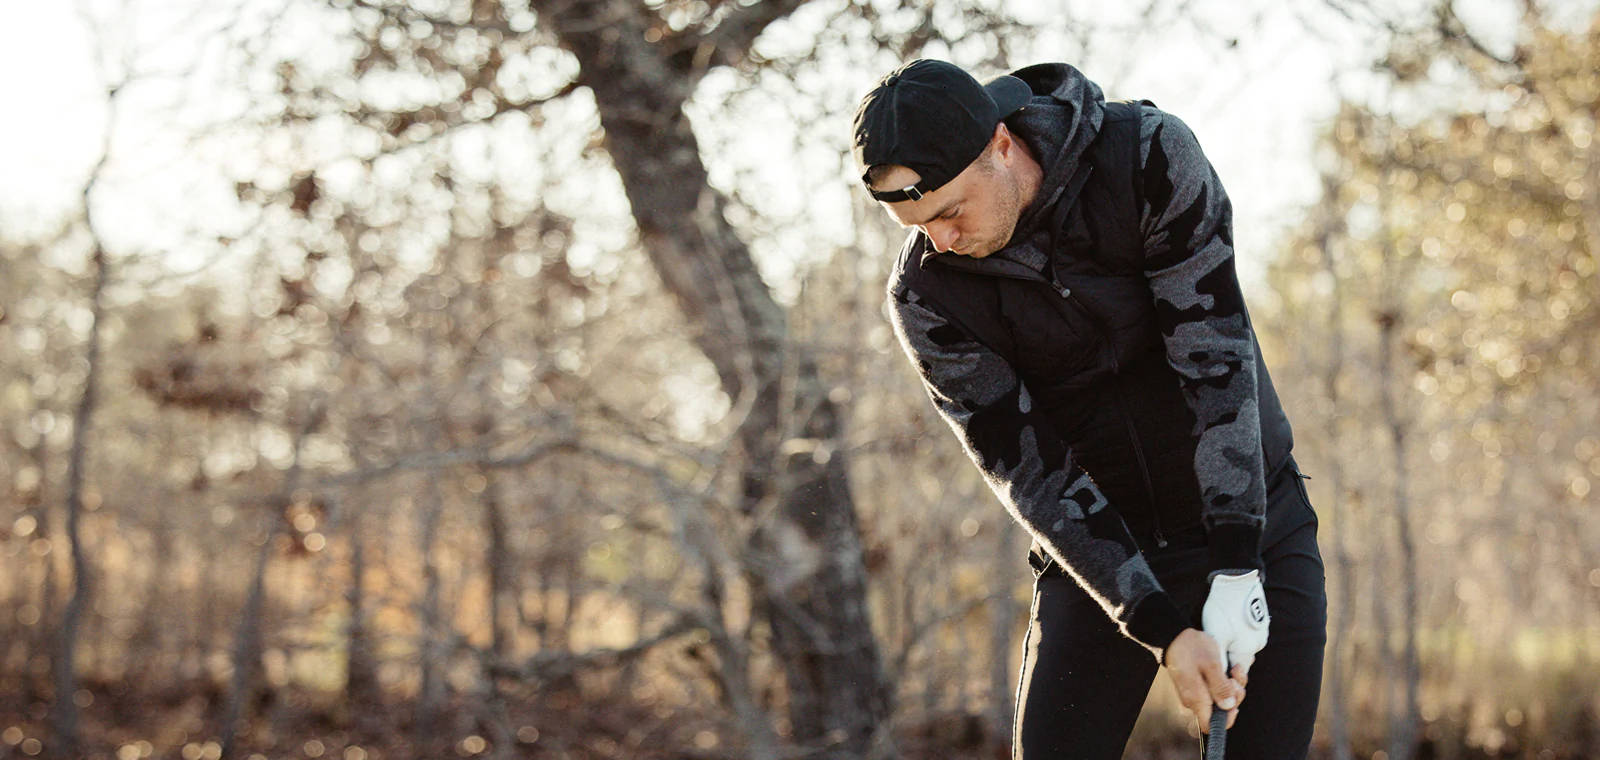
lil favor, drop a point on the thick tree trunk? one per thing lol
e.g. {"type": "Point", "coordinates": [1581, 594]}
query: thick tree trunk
{"type": "Point", "coordinates": [810, 579]}
{"type": "Point", "coordinates": [806, 566]}
{"type": "Point", "coordinates": [64, 710]}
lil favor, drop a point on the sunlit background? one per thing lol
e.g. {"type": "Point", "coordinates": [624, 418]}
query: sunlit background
{"type": "Point", "coordinates": [510, 378]}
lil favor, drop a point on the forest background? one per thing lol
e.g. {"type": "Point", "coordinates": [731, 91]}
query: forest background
{"type": "Point", "coordinates": [509, 378]}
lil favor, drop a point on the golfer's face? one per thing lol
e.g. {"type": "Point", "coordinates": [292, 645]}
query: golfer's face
{"type": "Point", "coordinates": [972, 215]}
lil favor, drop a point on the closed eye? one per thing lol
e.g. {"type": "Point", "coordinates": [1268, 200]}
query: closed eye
{"type": "Point", "coordinates": [949, 213]}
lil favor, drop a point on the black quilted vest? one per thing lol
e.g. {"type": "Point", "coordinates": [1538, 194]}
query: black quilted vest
{"type": "Point", "coordinates": [1086, 343]}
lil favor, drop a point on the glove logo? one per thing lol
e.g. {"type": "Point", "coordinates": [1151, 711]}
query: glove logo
{"type": "Point", "coordinates": [1258, 610]}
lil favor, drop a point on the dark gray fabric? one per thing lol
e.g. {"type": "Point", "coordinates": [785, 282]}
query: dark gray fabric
{"type": "Point", "coordinates": [1083, 683]}
{"type": "Point", "coordinates": [1100, 370]}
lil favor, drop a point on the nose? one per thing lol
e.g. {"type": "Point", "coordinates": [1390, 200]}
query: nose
{"type": "Point", "coordinates": [944, 236]}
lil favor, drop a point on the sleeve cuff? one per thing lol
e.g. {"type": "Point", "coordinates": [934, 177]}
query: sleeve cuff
{"type": "Point", "coordinates": [1235, 547]}
{"type": "Point", "coordinates": [1155, 622]}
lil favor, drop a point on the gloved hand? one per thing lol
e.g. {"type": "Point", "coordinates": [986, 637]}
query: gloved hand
{"type": "Point", "coordinates": [1235, 614]}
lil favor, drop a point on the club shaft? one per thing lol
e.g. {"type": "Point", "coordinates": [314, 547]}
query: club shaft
{"type": "Point", "coordinates": [1217, 741]}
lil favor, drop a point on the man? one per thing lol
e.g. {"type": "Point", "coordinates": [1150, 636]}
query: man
{"type": "Point", "coordinates": [1068, 295]}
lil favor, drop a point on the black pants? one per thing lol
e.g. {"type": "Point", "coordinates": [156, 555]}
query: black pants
{"type": "Point", "coordinates": [1083, 683]}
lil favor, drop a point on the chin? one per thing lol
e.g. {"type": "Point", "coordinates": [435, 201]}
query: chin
{"type": "Point", "coordinates": [982, 251]}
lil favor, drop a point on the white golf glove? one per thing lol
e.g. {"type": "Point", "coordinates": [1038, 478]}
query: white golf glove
{"type": "Point", "coordinates": [1235, 614]}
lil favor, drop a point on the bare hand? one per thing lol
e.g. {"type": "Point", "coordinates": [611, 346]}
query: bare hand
{"type": "Point", "coordinates": [1194, 662]}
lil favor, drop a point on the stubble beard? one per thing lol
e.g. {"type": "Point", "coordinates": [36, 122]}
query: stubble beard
{"type": "Point", "coordinates": [1008, 208]}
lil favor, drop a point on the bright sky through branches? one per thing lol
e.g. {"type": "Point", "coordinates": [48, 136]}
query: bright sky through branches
{"type": "Point", "coordinates": [1255, 80]}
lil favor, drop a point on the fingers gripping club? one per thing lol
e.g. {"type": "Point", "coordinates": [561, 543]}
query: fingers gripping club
{"type": "Point", "coordinates": [1235, 613]}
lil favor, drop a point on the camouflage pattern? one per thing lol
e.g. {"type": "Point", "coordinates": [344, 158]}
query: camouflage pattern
{"type": "Point", "coordinates": [1186, 222]}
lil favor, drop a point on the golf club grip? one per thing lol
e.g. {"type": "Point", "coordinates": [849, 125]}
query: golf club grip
{"type": "Point", "coordinates": [1217, 741]}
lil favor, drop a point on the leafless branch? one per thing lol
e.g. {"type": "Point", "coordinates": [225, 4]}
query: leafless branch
{"type": "Point", "coordinates": [502, 107]}
{"type": "Point", "coordinates": [1350, 9]}
{"type": "Point", "coordinates": [922, 629]}
{"type": "Point", "coordinates": [432, 460]}
{"type": "Point", "coordinates": [550, 665]}
{"type": "Point", "coordinates": [405, 14]}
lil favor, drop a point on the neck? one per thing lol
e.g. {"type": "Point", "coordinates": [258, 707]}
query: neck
{"type": "Point", "coordinates": [1029, 175]}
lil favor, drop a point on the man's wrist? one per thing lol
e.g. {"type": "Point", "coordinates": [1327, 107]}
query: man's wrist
{"type": "Point", "coordinates": [1155, 622]}
{"type": "Point", "coordinates": [1230, 571]}
{"type": "Point", "coordinates": [1234, 547]}
{"type": "Point", "coordinates": [1167, 650]}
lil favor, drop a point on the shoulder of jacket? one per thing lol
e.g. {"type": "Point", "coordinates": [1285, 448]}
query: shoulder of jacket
{"type": "Point", "coordinates": [1132, 108]}
{"type": "Point", "coordinates": [1153, 120]}
{"type": "Point", "coordinates": [1150, 118]}
{"type": "Point", "coordinates": [1126, 124]}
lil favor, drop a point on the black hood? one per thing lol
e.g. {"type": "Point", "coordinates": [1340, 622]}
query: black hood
{"type": "Point", "coordinates": [1057, 124]}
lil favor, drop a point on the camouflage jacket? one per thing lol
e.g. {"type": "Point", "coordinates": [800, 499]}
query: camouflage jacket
{"type": "Point", "coordinates": [1100, 370]}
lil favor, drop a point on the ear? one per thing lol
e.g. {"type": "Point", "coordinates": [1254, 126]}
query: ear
{"type": "Point", "coordinates": [1004, 144]}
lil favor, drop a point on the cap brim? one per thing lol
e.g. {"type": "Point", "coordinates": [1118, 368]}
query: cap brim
{"type": "Point", "coordinates": [1009, 93]}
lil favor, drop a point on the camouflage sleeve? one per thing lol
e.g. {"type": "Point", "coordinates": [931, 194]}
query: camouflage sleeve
{"type": "Point", "coordinates": [1188, 229]}
{"type": "Point", "coordinates": [1030, 468]}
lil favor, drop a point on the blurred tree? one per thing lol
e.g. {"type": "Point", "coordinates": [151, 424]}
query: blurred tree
{"type": "Point", "coordinates": [798, 552]}
{"type": "Point", "coordinates": [541, 504]}
{"type": "Point", "coordinates": [64, 707]}
{"type": "Point", "coordinates": [1455, 270]}
{"type": "Point", "coordinates": [806, 567]}
{"type": "Point", "coordinates": [30, 332]}
{"type": "Point", "coordinates": [765, 493]}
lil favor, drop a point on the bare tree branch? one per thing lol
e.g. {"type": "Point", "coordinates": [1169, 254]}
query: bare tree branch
{"type": "Point", "coordinates": [922, 629]}
{"type": "Point", "coordinates": [553, 665]}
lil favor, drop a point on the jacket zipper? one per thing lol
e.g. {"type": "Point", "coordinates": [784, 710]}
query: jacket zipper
{"type": "Point", "coordinates": [1116, 369]}
{"type": "Point", "coordinates": [1057, 222]}
{"type": "Point", "coordinates": [1133, 432]}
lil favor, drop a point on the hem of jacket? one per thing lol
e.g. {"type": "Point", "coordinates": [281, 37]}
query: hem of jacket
{"type": "Point", "coordinates": [1155, 622]}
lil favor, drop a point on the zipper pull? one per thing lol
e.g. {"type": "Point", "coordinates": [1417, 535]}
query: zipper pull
{"type": "Point", "coordinates": [1161, 539]}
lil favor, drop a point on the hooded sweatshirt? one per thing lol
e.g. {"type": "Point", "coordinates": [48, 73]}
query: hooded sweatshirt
{"type": "Point", "coordinates": [1014, 435]}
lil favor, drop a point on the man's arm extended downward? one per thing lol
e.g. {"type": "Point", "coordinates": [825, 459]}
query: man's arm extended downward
{"type": "Point", "coordinates": [1189, 261]}
{"type": "Point", "coordinates": [1029, 467]}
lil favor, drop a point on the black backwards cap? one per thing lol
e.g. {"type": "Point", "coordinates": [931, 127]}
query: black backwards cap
{"type": "Point", "coordinates": [933, 118]}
